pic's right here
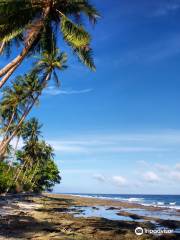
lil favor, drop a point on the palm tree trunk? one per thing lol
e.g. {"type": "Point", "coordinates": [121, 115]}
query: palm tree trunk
{"type": "Point", "coordinates": [33, 183]}
{"type": "Point", "coordinates": [20, 171]}
{"type": "Point", "coordinates": [26, 170]}
{"type": "Point", "coordinates": [28, 109]}
{"type": "Point", "coordinates": [17, 60]}
{"type": "Point", "coordinates": [9, 124]}
{"type": "Point", "coordinates": [2, 47]}
{"type": "Point", "coordinates": [34, 172]}
{"type": "Point", "coordinates": [8, 74]}
{"type": "Point", "coordinates": [11, 67]}
{"type": "Point", "coordinates": [17, 174]}
{"type": "Point", "coordinates": [15, 149]}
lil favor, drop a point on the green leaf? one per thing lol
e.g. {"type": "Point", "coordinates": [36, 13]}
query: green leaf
{"type": "Point", "coordinates": [85, 55]}
{"type": "Point", "coordinates": [74, 34]}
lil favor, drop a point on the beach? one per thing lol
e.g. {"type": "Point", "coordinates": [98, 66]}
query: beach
{"type": "Point", "coordinates": [59, 216]}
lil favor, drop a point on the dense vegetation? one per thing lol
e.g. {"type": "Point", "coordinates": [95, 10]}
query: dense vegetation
{"type": "Point", "coordinates": [32, 167]}
{"type": "Point", "coordinates": [34, 27]}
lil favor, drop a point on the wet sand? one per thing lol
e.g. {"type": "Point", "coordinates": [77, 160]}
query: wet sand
{"type": "Point", "coordinates": [54, 216]}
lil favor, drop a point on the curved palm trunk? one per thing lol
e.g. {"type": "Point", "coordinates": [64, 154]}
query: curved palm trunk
{"type": "Point", "coordinates": [8, 74]}
{"type": "Point", "coordinates": [15, 149]}
{"type": "Point", "coordinates": [5, 143]}
{"type": "Point", "coordinates": [2, 47]}
{"type": "Point", "coordinates": [28, 109]}
{"type": "Point", "coordinates": [9, 124]}
{"type": "Point", "coordinates": [5, 135]}
{"type": "Point", "coordinates": [33, 183]}
{"type": "Point", "coordinates": [24, 175]}
{"type": "Point", "coordinates": [2, 154]}
{"type": "Point", "coordinates": [11, 67]}
{"type": "Point", "coordinates": [34, 172]}
{"type": "Point", "coordinates": [17, 174]}
{"type": "Point", "coordinates": [20, 171]}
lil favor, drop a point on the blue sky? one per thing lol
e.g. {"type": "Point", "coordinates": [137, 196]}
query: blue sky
{"type": "Point", "coordinates": [117, 130]}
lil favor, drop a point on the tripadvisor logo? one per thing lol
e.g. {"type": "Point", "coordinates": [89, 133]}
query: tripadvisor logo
{"type": "Point", "coordinates": [139, 231]}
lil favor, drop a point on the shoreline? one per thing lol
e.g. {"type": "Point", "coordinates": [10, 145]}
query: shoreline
{"type": "Point", "coordinates": [63, 216]}
{"type": "Point", "coordinates": [130, 201]}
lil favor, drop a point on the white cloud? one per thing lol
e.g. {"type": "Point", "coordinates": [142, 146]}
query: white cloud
{"type": "Point", "coordinates": [78, 148]}
{"type": "Point", "coordinates": [177, 167]}
{"type": "Point", "coordinates": [119, 181]}
{"type": "Point", "coordinates": [59, 146]}
{"type": "Point", "coordinates": [55, 91]}
{"type": "Point", "coordinates": [162, 167]}
{"type": "Point", "coordinates": [99, 177]}
{"type": "Point", "coordinates": [162, 173]}
{"type": "Point", "coordinates": [175, 175]}
{"type": "Point", "coordinates": [118, 143]}
{"type": "Point", "coordinates": [151, 177]}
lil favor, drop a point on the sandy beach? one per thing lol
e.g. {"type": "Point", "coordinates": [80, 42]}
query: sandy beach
{"type": "Point", "coordinates": [57, 216]}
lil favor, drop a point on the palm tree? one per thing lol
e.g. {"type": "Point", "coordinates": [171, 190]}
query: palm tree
{"type": "Point", "coordinates": [30, 133]}
{"type": "Point", "coordinates": [11, 108]}
{"type": "Point", "coordinates": [35, 23]}
{"type": "Point", "coordinates": [34, 152]}
{"type": "Point", "coordinates": [15, 150]}
{"type": "Point", "coordinates": [29, 87]}
{"type": "Point", "coordinates": [31, 130]}
{"type": "Point", "coordinates": [47, 65]}
{"type": "Point", "coordinates": [45, 157]}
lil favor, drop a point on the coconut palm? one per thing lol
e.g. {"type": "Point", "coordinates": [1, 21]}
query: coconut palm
{"type": "Point", "coordinates": [48, 63]}
{"type": "Point", "coordinates": [11, 107]}
{"type": "Point", "coordinates": [29, 87]}
{"type": "Point", "coordinates": [30, 133]}
{"type": "Point", "coordinates": [35, 22]}
{"type": "Point", "coordinates": [34, 154]}
{"type": "Point", "coordinates": [31, 130]}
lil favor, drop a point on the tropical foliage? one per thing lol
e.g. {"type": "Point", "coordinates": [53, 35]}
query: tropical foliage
{"type": "Point", "coordinates": [31, 168]}
{"type": "Point", "coordinates": [18, 100]}
{"type": "Point", "coordinates": [37, 25]}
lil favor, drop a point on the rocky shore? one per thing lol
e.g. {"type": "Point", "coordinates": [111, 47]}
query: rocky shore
{"type": "Point", "coordinates": [56, 216]}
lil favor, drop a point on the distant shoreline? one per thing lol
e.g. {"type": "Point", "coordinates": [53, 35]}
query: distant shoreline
{"type": "Point", "coordinates": [165, 201]}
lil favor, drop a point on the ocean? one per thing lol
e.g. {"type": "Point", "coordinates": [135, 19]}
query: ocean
{"type": "Point", "coordinates": [170, 201]}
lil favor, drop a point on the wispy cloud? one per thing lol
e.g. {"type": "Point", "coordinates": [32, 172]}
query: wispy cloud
{"type": "Point", "coordinates": [71, 148]}
{"type": "Point", "coordinates": [151, 177]}
{"type": "Point", "coordinates": [53, 91]}
{"type": "Point", "coordinates": [117, 180]}
{"type": "Point", "coordinates": [99, 177]}
{"type": "Point", "coordinates": [162, 173]}
{"type": "Point", "coordinates": [166, 9]}
{"type": "Point", "coordinates": [177, 167]}
{"type": "Point", "coordinates": [118, 143]}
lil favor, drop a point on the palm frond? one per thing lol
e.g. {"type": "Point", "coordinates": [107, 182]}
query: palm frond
{"type": "Point", "coordinates": [85, 55]}
{"type": "Point", "coordinates": [74, 34]}
{"type": "Point", "coordinates": [56, 79]}
{"type": "Point", "coordinates": [12, 35]}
